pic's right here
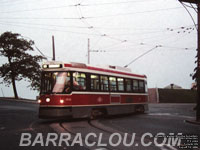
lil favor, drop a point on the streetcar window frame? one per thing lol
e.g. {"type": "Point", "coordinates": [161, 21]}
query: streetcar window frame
{"type": "Point", "coordinates": [67, 85]}
{"type": "Point", "coordinates": [120, 85]}
{"type": "Point", "coordinates": [107, 89]}
{"type": "Point", "coordinates": [90, 83]}
{"type": "Point", "coordinates": [48, 88]}
{"type": "Point", "coordinates": [114, 85]}
{"type": "Point", "coordinates": [135, 87]}
{"type": "Point", "coordinates": [141, 89]}
{"type": "Point", "coordinates": [78, 88]}
{"type": "Point", "coordinates": [131, 85]}
{"type": "Point", "coordinates": [52, 82]}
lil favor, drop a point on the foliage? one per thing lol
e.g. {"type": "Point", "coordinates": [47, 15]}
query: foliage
{"type": "Point", "coordinates": [21, 64]}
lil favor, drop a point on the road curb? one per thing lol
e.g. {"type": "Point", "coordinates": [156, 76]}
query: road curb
{"type": "Point", "coordinates": [18, 100]}
{"type": "Point", "coordinates": [193, 122]}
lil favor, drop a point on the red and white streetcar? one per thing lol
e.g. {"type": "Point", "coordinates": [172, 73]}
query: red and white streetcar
{"type": "Point", "coordinates": [78, 90]}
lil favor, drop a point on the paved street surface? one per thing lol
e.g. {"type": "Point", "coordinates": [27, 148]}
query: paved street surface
{"type": "Point", "coordinates": [21, 117]}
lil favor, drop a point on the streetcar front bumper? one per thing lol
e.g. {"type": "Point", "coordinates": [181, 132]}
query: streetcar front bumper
{"type": "Point", "coordinates": [55, 112]}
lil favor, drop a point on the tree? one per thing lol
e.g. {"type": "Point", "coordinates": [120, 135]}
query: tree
{"type": "Point", "coordinates": [21, 64]}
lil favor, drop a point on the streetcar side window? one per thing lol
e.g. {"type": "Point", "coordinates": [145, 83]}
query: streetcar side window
{"type": "Point", "coordinates": [120, 82]}
{"type": "Point", "coordinates": [104, 83]}
{"type": "Point", "coordinates": [128, 85]}
{"type": "Point", "coordinates": [113, 84]}
{"type": "Point", "coordinates": [79, 81]}
{"type": "Point", "coordinates": [94, 82]}
{"type": "Point", "coordinates": [135, 86]}
{"type": "Point", "coordinates": [141, 87]}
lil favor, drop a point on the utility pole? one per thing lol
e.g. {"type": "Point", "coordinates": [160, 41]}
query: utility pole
{"type": "Point", "coordinates": [53, 46]}
{"type": "Point", "coordinates": [198, 65]}
{"type": "Point", "coordinates": [197, 73]}
{"type": "Point", "coordinates": [88, 51]}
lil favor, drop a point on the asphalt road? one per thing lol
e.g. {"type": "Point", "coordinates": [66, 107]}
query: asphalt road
{"type": "Point", "coordinates": [17, 118]}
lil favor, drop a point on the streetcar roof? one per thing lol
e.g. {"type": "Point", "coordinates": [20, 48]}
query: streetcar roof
{"type": "Point", "coordinates": [72, 66]}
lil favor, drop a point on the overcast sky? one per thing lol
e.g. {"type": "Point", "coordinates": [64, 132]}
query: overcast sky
{"type": "Point", "coordinates": [121, 30]}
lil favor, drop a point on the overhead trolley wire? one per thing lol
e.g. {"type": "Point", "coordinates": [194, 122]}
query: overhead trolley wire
{"type": "Point", "coordinates": [84, 21]}
{"type": "Point", "coordinates": [40, 18]}
{"type": "Point", "coordinates": [52, 29]}
{"type": "Point", "coordinates": [111, 3]}
{"type": "Point", "coordinates": [112, 15]}
{"type": "Point", "coordinates": [195, 9]}
{"type": "Point", "coordinates": [50, 25]}
{"type": "Point", "coordinates": [131, 13]}
{"type": "Point", "coordinates": [17, 2]}
{"type": "Point", "coordinates": [36, 9]}
{"type": "Point", "coordinates": [100, 35]}
{"type": "Point", "coordinates": [189, 14]}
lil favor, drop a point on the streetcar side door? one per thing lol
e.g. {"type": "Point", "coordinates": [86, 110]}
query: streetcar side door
{"type": "Point", "coordinates": [114, 97]}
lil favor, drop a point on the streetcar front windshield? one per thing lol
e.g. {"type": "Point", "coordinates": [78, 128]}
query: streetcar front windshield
{"type": "Point", "coordinates": [55, 82]}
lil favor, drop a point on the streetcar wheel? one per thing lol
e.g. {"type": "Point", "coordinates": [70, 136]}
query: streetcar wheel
{"type": "Point", "coordinates": [140, 109]}
{"type": "Point", "coordinates": [96, 113]}
{"type": "Point", "coordinates": [93, 114]}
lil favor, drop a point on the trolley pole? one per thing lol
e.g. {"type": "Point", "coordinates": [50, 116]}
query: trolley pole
{"type": "Point", "coordinates": [53, 46]}
{"type": "Point", "coordinates": [197, 73]}
{"type": "Point", "coordinates": [88, 51]}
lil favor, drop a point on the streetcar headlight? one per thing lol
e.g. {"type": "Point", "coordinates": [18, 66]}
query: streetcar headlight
{"type": "Point", "coordinates": [47, 99]}
{"type": "Point", "coordinates": [61, 101]}
{"type": "Point", "coordinates": [39, 101]}
{"type": "Point", "coordinates": [45, 66]}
